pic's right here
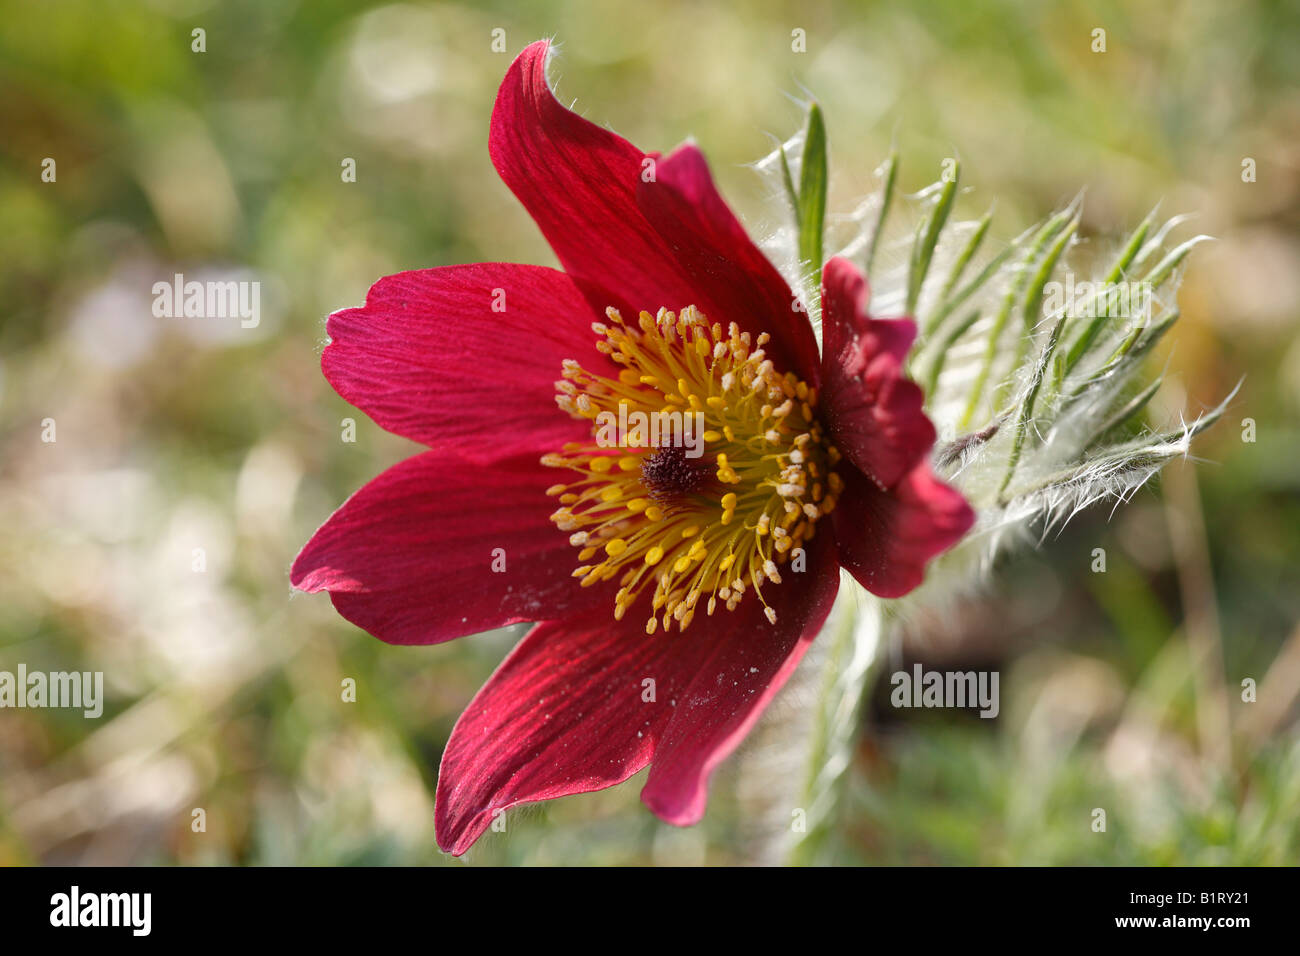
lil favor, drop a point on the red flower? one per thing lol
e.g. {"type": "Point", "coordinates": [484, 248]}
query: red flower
{"type": "Point", "coordinates": [810, 462]}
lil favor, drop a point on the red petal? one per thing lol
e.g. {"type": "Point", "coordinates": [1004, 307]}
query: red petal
{"type": "Point", "coordinates": [873, 413]}
{"type": "Point", "coordinates": [429, 358]}
{"type": "Point", "coordinates": [749, 661]}
{"type": "Point", "coordinates": [578, 182]}
{"type": "Point", "coordinates": [731, 279]}
{"type": "Point", "coordinates": [409, 557]}
{"type": "Point", "coordinates": [561, 715]}
{"type": "Point", "coordinates": [565, 713]}
{"type": "Point", "coordinates": [886, 537]}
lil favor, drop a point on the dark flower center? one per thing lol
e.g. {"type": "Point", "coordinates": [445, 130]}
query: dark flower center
{"type": "Point", "coordinates": [668, 475]}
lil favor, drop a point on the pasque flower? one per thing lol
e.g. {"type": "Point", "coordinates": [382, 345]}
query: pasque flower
{"type": "Point", "coordinates": [675, 594]}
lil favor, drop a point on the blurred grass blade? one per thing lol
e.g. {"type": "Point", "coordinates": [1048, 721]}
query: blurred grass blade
{"type": "Point", "coordinates": [1127, 413]}
{"type": "Point", "coordinates": [941, 352]}
{"type": "Point", "coordinates": [812, 191]}
{"type": "Point", "coordinates": [958, 268]}
{"type": "Point", "coordinates": [890, 173]}
{"type": "Point", "coordinates": [1033, 299]}
{"type": "Point", "coordinates": [791, 193]}
{"type": "Point", "coordinates": [1155, 243]}
{"type": "Point", "coordinates": [1083, 341]}
{"type": "Point", "coordinates": [928, 238]}
{"type": "Point", "coordinates": [1128, 353]}
{"type": "Point", "coordinates": [1045, 234]}
{"type": "Point", "coordinates": [1157, 276]}
{"type": "Point", "coordinates": [1032, 305]}
{"type": "Point", "coordinates": [1027, 406]}
{"type": "Point", "coordinates": [990, 269]}
{"type": "Point", "coordinates": [1144, 343]}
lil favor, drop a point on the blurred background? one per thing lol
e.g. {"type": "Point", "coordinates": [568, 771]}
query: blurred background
{"type": "Point", "coordinates": [1119, 690]}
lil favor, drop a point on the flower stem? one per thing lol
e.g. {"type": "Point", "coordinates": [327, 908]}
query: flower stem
{"type": "Point", "coordinates": [853, 631]}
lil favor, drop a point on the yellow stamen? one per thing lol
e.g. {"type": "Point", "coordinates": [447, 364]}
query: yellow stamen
{"type": "Point", "coordinates": [665, 516]}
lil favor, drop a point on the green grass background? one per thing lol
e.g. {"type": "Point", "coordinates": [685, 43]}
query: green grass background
{"type": "Point", "coordinates": [223, 690]}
